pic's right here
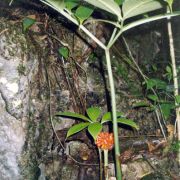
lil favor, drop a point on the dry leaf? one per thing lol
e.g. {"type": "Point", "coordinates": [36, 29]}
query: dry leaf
{"type": "Point", "coordinates": [151, 146]}
{"type": "Point", "coordinates": [32, 16]}
{"type": "Point", "coordinates": [170, 129]}
{"type": "Point", "coordinates": [42, 37]}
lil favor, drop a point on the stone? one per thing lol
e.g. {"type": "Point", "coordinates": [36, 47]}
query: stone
{"type": "Point", "coordinates": [11, 142]}
{"type": "Point", "coordinates": [136, 170]}
{"type": "Point", "coordinates": [78, 150]}
{"type": "Point", "coordinates": [69, 172]}
{"type": "Point", "coordinates": [14, 98]}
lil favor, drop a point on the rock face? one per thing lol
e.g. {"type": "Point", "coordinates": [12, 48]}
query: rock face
{"type": "Point", "coordinates": [13, 97]}
{"type": "Point", "coordinates": [11, 143]}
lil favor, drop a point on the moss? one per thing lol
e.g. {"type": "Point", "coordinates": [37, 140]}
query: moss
{"type": "Point", "coordinates": [21, 69]}
{"type": "Point", "coordinates": [16, 41]}
{"type": "Point", "coordinates": [33, 148]}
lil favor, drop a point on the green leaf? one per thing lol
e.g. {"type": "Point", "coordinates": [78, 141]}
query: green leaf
{"type": "Point", "coordinates": [27, 23]}
{"type": "Point", "coordinates": [153, 97]}
{"type": "Point", "coordinates": [59, 6]}
{"type": "Point", "coordinates": [108, 117]}
{"type": "Point", "coordinates": [168, 69]}
{"type": "Point", "coordinates": [94, 129]}
{"type": "Point", "coordinates": [177, 98]}
{"type": "Point", "coordinates": [73, 115]}
{"type": "Point", "coordinates": [107, 5]}
{"type": "Point", "coordinates": [133, 8]}
{"type": "Point", "coordinates": [168, 73]}
{"type": "Point", "coordinates": [166, 109]}
{"type": "Point", "coordinates": [141, 104]}
{"type": "Point", "coordinates": [154, 67]}
{"type": "Point", "coordinates": [83, 13]}
{"type": "Point", "coordinates": [159, 84]}
{"type": "Point", "coordinates": [70, 4]}
{"type": "Point", "coordinates": [64, 51]}
{"type": "Point", "coordinates": [128, 122]}
{"type": "Point", "coordinates": [150, 83]}
{"type": "Point", "coordinates": [93, 113]}
{"type": "Point", "coordinates": [76, 128]}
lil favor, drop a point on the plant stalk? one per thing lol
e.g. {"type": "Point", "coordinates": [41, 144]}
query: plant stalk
{"type": "Point", "coordinates": [106, 164]}
{"type": "Point", "coordinates": [175, 79]}
{"type": "Point", "coordinates": [115, 124]}
{"type": "Point", "coordinates": [100, 164]}
{"type": "Point", "coordinates": [11, 2]}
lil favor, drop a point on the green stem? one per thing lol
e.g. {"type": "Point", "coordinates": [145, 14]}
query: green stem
{"type": "Point", "coordinates": [106, 164]}
{"type": "Point", "coordinates": [115, 124]}
{"type": "Point", "coordinates": [110, 44]}
{"type": "Point", "coordinates": [69, 17]}
{"type": "Point", "coordinates": [116, 24]}
{"type": "Point", "coordinates": [175, 78]}
{"type": "Point", "coordinates": [113, 34]}
{"type": "Point", "coordinates": [11, 2]}
{"type": "Point", "coordinates": [87, 32]}
{"type": "Point", "coordinates": [100, 163]}
{"type": "Point", "coordinates": [140, 22]}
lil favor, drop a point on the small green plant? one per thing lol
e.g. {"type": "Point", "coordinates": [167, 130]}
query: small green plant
{"type": "Point", "coordinates": [160, 99]}
{"type": "Point", "coordinates": [93, 122]}
{"type": "Point", "coordinates": [163, 97]}
{"type": "Point", "coordinates": [175, 146]}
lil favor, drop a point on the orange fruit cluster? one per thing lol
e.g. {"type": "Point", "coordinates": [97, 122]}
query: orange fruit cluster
{"type": "Point", "coordinates": [105, 140]}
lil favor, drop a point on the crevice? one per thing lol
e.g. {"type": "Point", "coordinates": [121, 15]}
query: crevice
{"type": "Point", "coordinates": [7, 106]}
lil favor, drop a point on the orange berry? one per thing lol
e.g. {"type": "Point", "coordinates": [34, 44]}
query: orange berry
{"type": "Point", "coordinates": [105, 141]}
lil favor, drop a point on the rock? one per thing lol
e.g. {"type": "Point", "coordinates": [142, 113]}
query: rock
{"type": "Point", "coordinates": [13, 97]}
{"type": "Point", "coordinates": [136, 170]}
{"type": "Point", "coordinates": [42, 169]}
{"type": "Point", "coordinates": [78, 150]}
{"type": "Point", "coordinates": [69, 172]}
{"type": "Point", "coordinates": [11, 142]}
{"type": "Point", "coordinates": [17, 67]}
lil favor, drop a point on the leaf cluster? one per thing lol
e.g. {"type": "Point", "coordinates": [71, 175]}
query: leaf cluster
{"type": "Point", "coordinates": [162, 98]}
{"type": "Point", "coordinates": [93, 121]}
